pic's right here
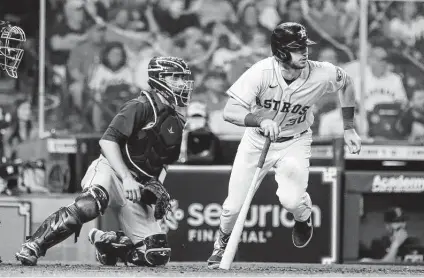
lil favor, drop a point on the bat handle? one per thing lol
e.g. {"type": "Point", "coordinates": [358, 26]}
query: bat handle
{"type": "Point", "coordinates": [264, 152]}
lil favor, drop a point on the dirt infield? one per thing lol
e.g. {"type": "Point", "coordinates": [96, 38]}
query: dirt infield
{"type": "Point", "coordinates": [200, 270]}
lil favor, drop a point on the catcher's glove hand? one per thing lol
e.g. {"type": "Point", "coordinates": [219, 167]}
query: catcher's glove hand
{"type": "Point", "coordinates": [154, 193]}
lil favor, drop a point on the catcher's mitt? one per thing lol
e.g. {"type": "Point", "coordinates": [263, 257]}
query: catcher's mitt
{"type": "Point", "coordinates": [154, 193]}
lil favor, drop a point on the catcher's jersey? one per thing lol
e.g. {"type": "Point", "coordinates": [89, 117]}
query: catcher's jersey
{"type": "Point", "coordinates": [151, 134]}
{"type": "Point", "coordinates": [263, 90]}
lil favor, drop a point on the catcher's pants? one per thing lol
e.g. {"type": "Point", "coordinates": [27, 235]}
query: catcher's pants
{"type": "Point", "coordinates": [137, 221]}
{"type": "Point", "coordinates": [290, 160]}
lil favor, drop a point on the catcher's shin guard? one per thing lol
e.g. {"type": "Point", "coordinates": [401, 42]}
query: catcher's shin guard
{"type": "Point", "coordinates": [63, 223]}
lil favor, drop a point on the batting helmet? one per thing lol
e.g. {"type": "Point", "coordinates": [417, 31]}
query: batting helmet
{"type": "Point", "coordinates": [159, 68]}
{"type": "Point", "coordinates": [286, 37]}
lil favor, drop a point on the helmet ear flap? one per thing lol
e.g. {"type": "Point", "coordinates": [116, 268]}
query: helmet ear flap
{"type": "Point", "coordinates": [285, 54]}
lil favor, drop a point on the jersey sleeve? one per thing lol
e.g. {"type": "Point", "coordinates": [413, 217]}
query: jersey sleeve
{"type": "Point", "coordinates": [133, 116]}
{"type": "Point", "coordinates": [337, 77]}
{"type": "Point", "coordinates": [248, 86]}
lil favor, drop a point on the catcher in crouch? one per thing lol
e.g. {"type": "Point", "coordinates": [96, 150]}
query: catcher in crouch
{"type": "Point", "coordinates": [140, 141]}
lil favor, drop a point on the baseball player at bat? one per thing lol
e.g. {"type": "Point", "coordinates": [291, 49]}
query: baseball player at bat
{"type": "Point", "coordinates": [141, 140]}
{"type": "Point", "coordinates": [273, 99]}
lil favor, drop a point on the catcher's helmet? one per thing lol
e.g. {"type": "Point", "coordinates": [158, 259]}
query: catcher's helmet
{"type": "Point", "coordinates": [159, 68]}
{"type": "Point", "coordinates": [286, 37]}
{"type": "Point", "coordinates": [11, 49]}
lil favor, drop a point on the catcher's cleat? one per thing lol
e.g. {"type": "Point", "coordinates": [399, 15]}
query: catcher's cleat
{"type": "Point", "coordinates": [302, 233]}
{"type": "Point", "coordinates": [110, 246]}
{"type": "Point", "coordinates": [218, 250]}
{"type": "Point", "coordinates": [29, 254]}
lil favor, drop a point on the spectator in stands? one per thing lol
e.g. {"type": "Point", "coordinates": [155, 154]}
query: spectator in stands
{"type": "Point", "coordinates": [113, 70]}
{"type": "Point", "coordinates": [249, 24]}
{"type": "Point", "coordinates": [331, 17]}
{"type": "Point", "coordinates": [382, 85]}
{"type": "Point", "coordinates": [196, 49]}
{"type": "Point", "coordinates": [384, 94]}
{"type": "Point", "coordinates": [407, 28]}
{"type": "Point", "coordinates": [269, 16]}
{"type": "Point", "coordinates": [396, 245]}
{"type": "Point", "coordinates": [21, 129]}
{"type": "Point", "coordinates": [411, 121]}
{"type": "Point", "coordinates": [138, 21]}
{"type": "Point", "coordinates": [66, 35]}
{"type": "Point", "coordinates": [328, 54]}
{"type": "Point", "coordinates": [171, 17]}
{"type": "Point", "coordinates": [216, 11]}
{"type": "Point", "coordinates": [212, 91]}
{"type": "Point", "coordinates": [229, 49]}
{"type": "Point", "coordinates": [290, 10]}
{"type": "Point", "coordinates": [142, 59]}
{"type": "Point", "coordinates": [122, 18]}
{"type": "Point", "coordinates": [83, 58]}
{"type": "Point", "coordinates": [200, 145]}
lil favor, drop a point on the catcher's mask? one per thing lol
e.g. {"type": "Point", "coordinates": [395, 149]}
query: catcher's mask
{"type": "Point", "coordinates": [11, 48]}
{"type": "Point", "coordinates": [289, 37]}
{"type": "Point", "coordinates": [172, 88]}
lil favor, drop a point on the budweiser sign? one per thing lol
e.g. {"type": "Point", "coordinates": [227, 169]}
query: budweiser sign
{"type": "Point", "coordinates": [398, 183]}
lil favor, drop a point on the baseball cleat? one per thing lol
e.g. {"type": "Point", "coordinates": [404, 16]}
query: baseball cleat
{"type": "Point", "coordinates": [103, 246]}
{"type": "Point", "coordinates": [218, 250]}
{"type": "Point", "coordinates": [109, 245]}
{"type": "Point", "coordinates": [28, 254]}
{"type": "Point", "coordinates": [302, 233]}
{"type": "Point", "coordinates": [215, 259]}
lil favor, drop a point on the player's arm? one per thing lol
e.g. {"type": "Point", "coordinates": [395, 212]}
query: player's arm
{"type": "Point", "coordinates": [131, 116]}
{"type": "Point", "coordinates": [243, 94]}
{"type": "Point", "coordinates": [346, 93]}
{"type": "Point", "coordinates": [347, 100]}
{"type": "Point", "coordinates": [236, 113]}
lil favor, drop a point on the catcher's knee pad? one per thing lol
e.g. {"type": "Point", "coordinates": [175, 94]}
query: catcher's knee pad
{"type": "Point", "coordinates": [91, 203]}
{"type": "Point", "coordinates": [154, 251]}
{"type": "Point", "coordinates": [68, 220]}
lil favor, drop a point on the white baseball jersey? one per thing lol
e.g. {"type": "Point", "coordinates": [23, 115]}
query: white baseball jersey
{"type": "Point", "coordinates": [263, 90]}
{"type": "Point", "coordinates": [386, 89]}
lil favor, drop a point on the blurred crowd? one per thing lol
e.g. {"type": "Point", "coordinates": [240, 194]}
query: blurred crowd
{"type": "Point", "coordinates": [97, 53]}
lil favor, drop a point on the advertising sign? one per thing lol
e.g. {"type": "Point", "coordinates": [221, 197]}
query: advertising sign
{"type": "Point", "coordinates": [385, 182]}
{"type": "Point", "coordinates": [199, 192]}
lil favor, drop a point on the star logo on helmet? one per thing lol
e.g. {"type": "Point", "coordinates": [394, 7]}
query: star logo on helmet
{"type": "Point", "coordinates": [302, 34]}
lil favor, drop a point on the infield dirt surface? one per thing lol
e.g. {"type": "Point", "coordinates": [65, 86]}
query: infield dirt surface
{"type": "Point", "coordinates": [190, 269]}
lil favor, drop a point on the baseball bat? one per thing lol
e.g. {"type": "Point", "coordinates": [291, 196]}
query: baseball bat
{"type": "Point", "coordinates": [230, 250]}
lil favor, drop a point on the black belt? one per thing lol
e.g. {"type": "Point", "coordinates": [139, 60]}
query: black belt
{"type": "Point", "coordinates": [284, 139]}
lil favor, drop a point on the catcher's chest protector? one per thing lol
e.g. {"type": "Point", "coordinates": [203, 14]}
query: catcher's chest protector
{"type": "Point", "coordinates": [157, 144]}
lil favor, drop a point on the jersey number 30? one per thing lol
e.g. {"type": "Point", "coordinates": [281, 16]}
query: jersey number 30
{"type": "Point", "coordinates": [299, 120]}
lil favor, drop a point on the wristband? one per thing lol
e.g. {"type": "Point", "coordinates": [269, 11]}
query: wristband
{"type": "Point", "coordinates": [252, 120]}
{"type": "Point", "coordinates": [348, 113]}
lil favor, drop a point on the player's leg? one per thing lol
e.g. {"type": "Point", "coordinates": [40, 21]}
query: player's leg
{"type": "Point", "coordinates": [292, 174]}
{"type": "Point", "coordinates": [61, 224]}
{"type": "Point", "coordinates": [244, 167]}
{"type": "Point", "coordinates": [110, 245]}
{"type": "Point", "coordinates": [149, 243]}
